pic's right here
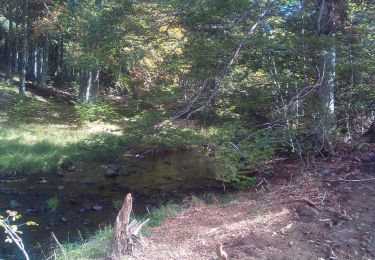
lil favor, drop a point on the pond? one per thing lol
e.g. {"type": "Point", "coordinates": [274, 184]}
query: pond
{"type": "Point", "coordinates": [89, 199]}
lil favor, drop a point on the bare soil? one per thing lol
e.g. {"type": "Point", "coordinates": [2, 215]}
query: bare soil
{"type": "Point", "coordinates": [318, 214]}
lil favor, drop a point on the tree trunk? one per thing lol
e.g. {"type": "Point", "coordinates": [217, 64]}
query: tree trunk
{"type": "Point", "coordinates": [85, 85]}
{"type": "Point", "coordinates": [17, 40]}
{"type": "Point", "coordinates": [95, 84]}
{"type": "Point", "coordinates": [326, 27]}
{"type": "Point", "coordinates": [35, 63]}
{"type": "Point", "coordinates": [24, 50]}
{"type": "Point", "coordinates": [120, 244]}
{"type": "Point", "coordinates": [89, 86]}
{"type": "Point", "coordinates": [125, 234]}
{"type": "Point", "coordinates": [44, 64]}
{"type": "Point", "coordinates": [372, 131]}
{"type": "Point", "coordinates": [62, 53]}
{"type": "Point", "coordinates": [9, 43]}
{"type": "Point", "coordinates": [39, 63]}
{"type": "Point", "coordinates": [327, 91]}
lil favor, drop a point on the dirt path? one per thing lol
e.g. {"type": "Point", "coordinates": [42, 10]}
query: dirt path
{"type": "Point", "coordinates": [315, 216]}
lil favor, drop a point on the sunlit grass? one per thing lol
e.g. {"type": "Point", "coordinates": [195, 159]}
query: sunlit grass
{"type": "Point", "coordinates": [41, 148]}
{"type": "Point", "coordinates": [95, 247]}
{"type": "Point", "coordinates": [37, 134]}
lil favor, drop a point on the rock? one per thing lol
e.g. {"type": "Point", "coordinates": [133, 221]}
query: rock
{"type": "Point", "coordinates": [111, 173]}
{"type": "Point", "coordinates": [167, 163]}
{"type": "Point", "coordinates": [326, 172]}
{"type": "Point", "coordinates": [353, 242]}
{"type": "Point", "coordinates": [34, 210]}
{"type": "Point", "coordinates": [291, 243]}
{"type": "Point", "coordinates": [6, 191]}
{"type": "Point", "coordinates": [306, 214]}
{"type": "Point", "coordinates": [97, 208]}
{"type": "Point", "coordinates": [361, 226]}
{"type": "Point", "coordinates": [60, 187]}
{"type": "Point", "coordinates": [73, 200]}
{"type": "Point", "coordinates": [234, 202]}
{"type": "Point", "coordinates": [42, 181]}
{"type": "Point", "coordinates": [82, 209]}
{"type": "Point", "coordinates": [86, 222]}
{"type": "Point", "coordinates": [14, 204]}
{"type": "Point", "coordinates": [60, 173]}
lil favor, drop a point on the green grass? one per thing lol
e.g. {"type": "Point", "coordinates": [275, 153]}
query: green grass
{"type": "Point", "coordinates": [94, 247]}
{"type": "Point", "coordinates": [44, 148]}
{"type": "Point", "coordinates": [160, 214]}
{"type": "Point", "coordinates": [40, 134]}
{"type": "Point", "coordinates": [97, 245]}
{"type": "Point", "coordinates": [53, 203]}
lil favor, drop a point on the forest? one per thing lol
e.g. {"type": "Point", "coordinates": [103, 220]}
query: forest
{"type": "Point", "coordinates": [183, 103]}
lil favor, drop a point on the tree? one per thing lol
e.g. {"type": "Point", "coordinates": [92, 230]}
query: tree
{"type": "Point", "coordinates": [22, 84]}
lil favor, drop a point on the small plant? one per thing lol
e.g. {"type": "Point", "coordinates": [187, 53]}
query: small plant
{"type": "Point", "coordinates": [96, 110]}
{"type": "Point", "coordinates": [157, 216]}
{"type": "Point", "coordinates": [53, 203]}
{"type": "Point", "coordinates": [227, 197]}
{"type": "Point", "coordinates": [116, 203]}
{"type": "Point", "coordinates": [12, 232]}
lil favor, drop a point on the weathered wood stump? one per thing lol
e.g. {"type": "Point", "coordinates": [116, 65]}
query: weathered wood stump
{"type": "Point", "coordinates": [125, 234]}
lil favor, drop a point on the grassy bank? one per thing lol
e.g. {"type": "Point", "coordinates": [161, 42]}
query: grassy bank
{"type": "Point", "coordinates": [39, 134]}
{"type": "Point", "coordinates": [97, 245]}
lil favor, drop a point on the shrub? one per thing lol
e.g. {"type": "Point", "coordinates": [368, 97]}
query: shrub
{"type": "Point", "coordinates": [102, 110]}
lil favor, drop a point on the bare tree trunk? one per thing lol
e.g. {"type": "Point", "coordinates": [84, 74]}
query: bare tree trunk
{"type": "Point", "coordinates": [88, 86]}
{"type": "Point", "coordinates": [9, 42]}
{"type": "Point", "coordinates": [326, 27]}
{"type": "Point", "coordinates": [372, 131]}
{"type": "Point", "coordinates": [22, 86]}
{"type": "Point", "coordinates": [17, 40]}
{"type": "Point", "coordinates": [35, 63]}
{"type": "Point", "coordinates": [44, 64]}
{"type": "Point", "coordinates": [95, 84]}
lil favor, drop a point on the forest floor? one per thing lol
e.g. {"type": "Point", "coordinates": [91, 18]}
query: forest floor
{"type": "Point", "coordinates": [324, 213]}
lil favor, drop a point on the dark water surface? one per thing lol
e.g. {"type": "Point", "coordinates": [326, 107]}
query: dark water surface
{"type": "Point", "coordinates": [87, 199]}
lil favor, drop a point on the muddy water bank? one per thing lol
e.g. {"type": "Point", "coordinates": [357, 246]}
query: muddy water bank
{"type": "Point", "coordinates": [90, 198]}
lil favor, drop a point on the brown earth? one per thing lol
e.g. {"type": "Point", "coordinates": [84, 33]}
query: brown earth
{"type": "Point", "coordinates": [318, 214]}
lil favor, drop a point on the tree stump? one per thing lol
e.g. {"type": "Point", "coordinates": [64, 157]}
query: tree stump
{"type": "Point", "coordinates": [125, 234]}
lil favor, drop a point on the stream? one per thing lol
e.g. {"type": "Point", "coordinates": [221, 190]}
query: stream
{"type": "Point", "coordinates": [89, 199]}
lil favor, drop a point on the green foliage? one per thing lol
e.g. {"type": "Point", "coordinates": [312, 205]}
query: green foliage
{"type": "Point", "coordinates": [102, 110]}
{"type": "Point", "coordinates": [158, 215]}
{"type": "Point", "coordinates": [53, 203]}
{"type": "Point", "coordinates": [117, 203]}
{"type": "Point", "coordinates": [240, 150]}
{"type": "Point", "coordinates": [93, 248]}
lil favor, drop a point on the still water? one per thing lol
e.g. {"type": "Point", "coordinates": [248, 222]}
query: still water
{"type": "Point", "coordinates": [88, 199]}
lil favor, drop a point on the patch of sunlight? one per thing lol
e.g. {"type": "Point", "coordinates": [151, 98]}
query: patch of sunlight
{"type": "Point", "coordinates": [52, 134]}
{"type": "Point", "coordinates": [64, 126]}
{"type": "Point", "coordinates": [95, 128]}
{"type": "Point", "coordinates": [41, 99]}
{"type": "Point", "coordinates": [246, 225]}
